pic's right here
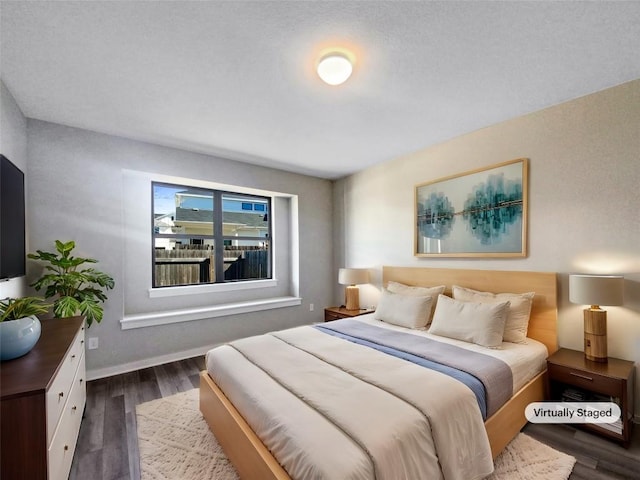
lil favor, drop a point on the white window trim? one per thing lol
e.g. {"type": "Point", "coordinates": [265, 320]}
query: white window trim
{"type": "Point", "coordinates": [189, 314]}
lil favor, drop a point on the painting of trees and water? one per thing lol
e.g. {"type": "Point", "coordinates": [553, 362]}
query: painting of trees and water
{"type": "Point", "coordinates": [478, 213]}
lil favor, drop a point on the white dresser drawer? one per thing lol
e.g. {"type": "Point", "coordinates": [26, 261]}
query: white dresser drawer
{"type": "Point", "coordinates": [62, 447]}
{"type": "Point", "coordinates": [58, 392]}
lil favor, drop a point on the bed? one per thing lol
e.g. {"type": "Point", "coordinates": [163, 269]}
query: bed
{"type": "Point", "coordinates": [254, 460]}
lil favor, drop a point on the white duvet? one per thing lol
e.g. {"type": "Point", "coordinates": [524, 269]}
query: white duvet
{"type": "Point", "coordinates": [526, 360]}
{"type": "Point", "coordinates": [331, 409]}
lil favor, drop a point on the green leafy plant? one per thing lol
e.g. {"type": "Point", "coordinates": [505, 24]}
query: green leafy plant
{"type": "Point", "coordinates": [77, 289]}
{"type": "Point", "coordinates": [16, 308]}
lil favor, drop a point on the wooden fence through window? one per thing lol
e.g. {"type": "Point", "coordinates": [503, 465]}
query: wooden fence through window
{"type": "Point", "coordinates": [195, 264]}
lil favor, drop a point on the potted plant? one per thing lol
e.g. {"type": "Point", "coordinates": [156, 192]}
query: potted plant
{"type": "Point", "coordinates": [19, 325]}
{"type": "Point", "coordinates": [77, 289]}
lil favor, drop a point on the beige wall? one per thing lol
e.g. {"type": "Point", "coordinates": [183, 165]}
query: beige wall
{"type": "Point", "coordinates": [584, 202]}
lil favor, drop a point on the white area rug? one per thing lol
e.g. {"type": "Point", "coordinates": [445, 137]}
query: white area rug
{"type": "Point", "coordinates": [176, 444]}
{"type": "Point", "coordinates": [527, 459]}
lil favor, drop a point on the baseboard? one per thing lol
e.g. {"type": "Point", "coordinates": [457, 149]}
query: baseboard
{"type": "Point", "coordinates": [95, 374]}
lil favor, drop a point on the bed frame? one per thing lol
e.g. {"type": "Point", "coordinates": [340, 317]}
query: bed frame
{"type": "Point", "coordinates": [254, 461]}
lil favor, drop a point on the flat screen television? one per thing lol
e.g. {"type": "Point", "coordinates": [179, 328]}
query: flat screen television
{"type": "Point", "coordinates": [12, 229]}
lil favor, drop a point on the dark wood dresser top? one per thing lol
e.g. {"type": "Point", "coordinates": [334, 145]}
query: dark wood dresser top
{"type": "Point", "coordinates": [33, 372]}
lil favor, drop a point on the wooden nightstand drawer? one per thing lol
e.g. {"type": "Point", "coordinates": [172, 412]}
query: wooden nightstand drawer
{"type": "Point", "coordinates": [330, 316]}
{"type": "Point", "coordinates": [587, 380]}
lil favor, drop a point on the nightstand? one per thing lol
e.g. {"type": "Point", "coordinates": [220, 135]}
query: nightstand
{"type": "Point", "coordinates": [572, 377]}
{"type": "Point", "coordinates": [336, 313]}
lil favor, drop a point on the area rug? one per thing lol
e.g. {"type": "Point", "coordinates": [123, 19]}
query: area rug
{"type": "Point", "coordinates": [527, 459]}
{"type": "Point", "coordinates": [175, 443]}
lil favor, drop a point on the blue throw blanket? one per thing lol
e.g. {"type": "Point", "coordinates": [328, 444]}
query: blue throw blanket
{"type": "Point", "coordinates": [490, 379]}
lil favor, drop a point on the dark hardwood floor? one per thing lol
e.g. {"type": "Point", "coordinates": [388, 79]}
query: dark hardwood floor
{"type": "Point", "coordinates": [596, 457]}
{"type": "Point", "coordinates": [108, 445]}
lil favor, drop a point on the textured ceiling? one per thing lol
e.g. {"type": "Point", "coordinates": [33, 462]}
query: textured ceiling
{"type": "Point", "coordinates": [236, 79]}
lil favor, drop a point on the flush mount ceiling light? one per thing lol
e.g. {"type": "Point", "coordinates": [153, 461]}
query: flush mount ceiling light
{"type": "Point", "coordinates": [335, 67]}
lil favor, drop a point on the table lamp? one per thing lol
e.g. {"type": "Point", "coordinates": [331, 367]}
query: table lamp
{"type": "Point", "coordinates": [352, 277]}
{"type": "Point", "coordinates": [595, 290]}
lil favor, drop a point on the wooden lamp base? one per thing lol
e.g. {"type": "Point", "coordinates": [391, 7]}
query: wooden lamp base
{"type": "Point", "coordinates": [352, 297]}
{"type": "Point", "coordinates": [595, 335]}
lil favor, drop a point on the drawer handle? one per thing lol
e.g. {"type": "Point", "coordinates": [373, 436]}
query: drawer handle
{"type": "Point", "coordinates": [74, 408]}
{"type": "Point", "coordinates": [73, 356]}
{"type": "Point", "coordinates": [66, 447]}
{"type": "Point", "coordinates": [81, 380]}
{"type": "Point", "coordinates": [581, 376]}
{"type": "Point", "coordinates": [61, 394]}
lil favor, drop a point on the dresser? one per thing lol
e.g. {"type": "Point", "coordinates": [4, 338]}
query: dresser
{"type": "Point", "coordinates": [43, 397]}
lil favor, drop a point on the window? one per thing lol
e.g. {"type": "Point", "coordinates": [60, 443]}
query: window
{"type": "Point", "coordinates": [209, 236]}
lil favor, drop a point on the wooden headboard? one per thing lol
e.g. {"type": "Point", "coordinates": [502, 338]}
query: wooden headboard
{"type": "Point", "coordinates": [544, 311]}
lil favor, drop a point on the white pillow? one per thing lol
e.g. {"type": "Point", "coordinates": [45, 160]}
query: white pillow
{"type": "Point", "coordinates": [517, 324]}
{"type": "Point", "coordinates": [480, 323]}
{"type": "Point", "coordinates": [403, 310]}
{"type": "Point", "coordinates": [433, 292]}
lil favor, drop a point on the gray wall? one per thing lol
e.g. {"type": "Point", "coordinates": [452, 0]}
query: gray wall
{"type": "Point", "coordinates": [76, 192]}
{"type": "Point", "coordinates": [13, 145]}
{"type": "Point", "coordinates": [584, 199]}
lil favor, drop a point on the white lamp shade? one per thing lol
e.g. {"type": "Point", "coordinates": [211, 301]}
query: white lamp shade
{"type": "Point", "coordinates": [353, 276]}
{"type": "Point", "coordinates": [596, 289]}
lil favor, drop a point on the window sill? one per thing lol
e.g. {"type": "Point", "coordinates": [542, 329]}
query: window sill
{"type": "Point", "coordinates": [187, 315]}
{"type": "Point", "coordinates": [210, 288]}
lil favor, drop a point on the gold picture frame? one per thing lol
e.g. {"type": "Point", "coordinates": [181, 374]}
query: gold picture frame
{"type": "Point", "coordinates": [479, 213]}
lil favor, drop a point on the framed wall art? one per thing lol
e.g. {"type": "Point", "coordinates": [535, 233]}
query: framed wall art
{"type": "Point", "coordinates": [481, 213]}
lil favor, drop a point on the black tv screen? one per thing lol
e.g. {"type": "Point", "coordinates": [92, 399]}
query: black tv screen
{"type": "Point", "coordinates": [12, 204]}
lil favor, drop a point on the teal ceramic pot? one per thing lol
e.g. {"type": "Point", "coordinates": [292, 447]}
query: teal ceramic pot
{"type": "Point", "coordinates": [18, 337]}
